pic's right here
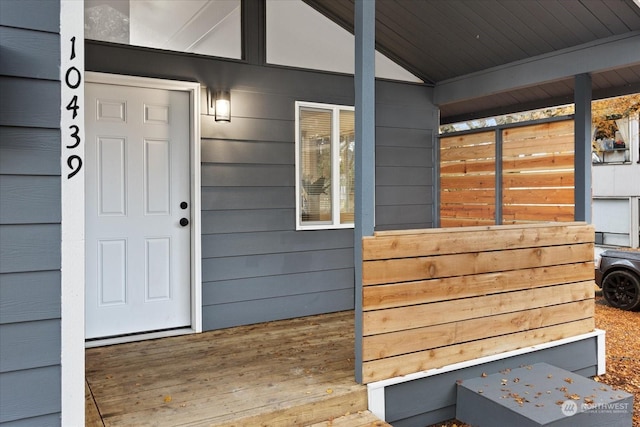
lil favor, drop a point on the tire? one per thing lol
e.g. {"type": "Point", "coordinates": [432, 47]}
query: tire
{"type": "Point", "coordinates": [621, 289]}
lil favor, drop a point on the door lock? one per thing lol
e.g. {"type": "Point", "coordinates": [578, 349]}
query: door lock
{"type": "Point", "coordinates": [183, 205]}
{"type": "Point", "coordinates": [184, 222]}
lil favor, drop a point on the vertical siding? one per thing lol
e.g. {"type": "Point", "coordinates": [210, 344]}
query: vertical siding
{"type": "Point", "coordinates": [255, 266]}
{"type": "Point", "coordinates": [30, 213]}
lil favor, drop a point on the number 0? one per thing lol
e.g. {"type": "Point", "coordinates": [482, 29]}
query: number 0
{"type": "Point", "coordinates": [76, 77]}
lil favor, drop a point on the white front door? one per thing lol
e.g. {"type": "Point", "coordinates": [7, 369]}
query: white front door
{"type": "Point", "coordinates": [138, 276]}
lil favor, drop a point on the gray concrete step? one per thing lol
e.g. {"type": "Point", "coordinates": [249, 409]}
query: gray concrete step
{"type": "Point", "coordinates": [541, 395]}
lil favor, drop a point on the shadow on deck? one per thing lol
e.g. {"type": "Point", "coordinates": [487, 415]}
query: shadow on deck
{"type": "Point", "coordinates": [295, 372]}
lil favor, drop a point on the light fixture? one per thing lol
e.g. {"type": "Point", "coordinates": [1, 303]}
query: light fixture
{"type": "Point", "coordinates": [220, 103]}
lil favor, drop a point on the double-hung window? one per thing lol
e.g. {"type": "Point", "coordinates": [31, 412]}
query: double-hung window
{"type": "Point", "coordinates": [325, 166]}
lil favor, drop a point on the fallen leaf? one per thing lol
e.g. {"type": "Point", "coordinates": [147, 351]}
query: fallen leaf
{"type": "Point", "coordinates": [167, 399]}
{"type": "Point", "coordinates": [329, 391]}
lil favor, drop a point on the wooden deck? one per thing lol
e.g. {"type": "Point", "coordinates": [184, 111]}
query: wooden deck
{"type": "Point", "coordinates": [287, 373]}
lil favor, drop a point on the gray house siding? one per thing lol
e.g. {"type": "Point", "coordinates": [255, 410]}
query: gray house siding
{"type": "Point", "coordinates": [406, 123]}
{"type": "Point", "coordinates": [255, 266]}
{"type": "Point", "coordinates": [30, 213]}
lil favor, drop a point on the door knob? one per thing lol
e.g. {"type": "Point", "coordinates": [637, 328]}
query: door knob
{"type": "Point", "coordinates": [184, 222]}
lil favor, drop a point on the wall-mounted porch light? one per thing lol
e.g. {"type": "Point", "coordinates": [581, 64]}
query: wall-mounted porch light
{"type": "Point", "coordinates": [220, 103]}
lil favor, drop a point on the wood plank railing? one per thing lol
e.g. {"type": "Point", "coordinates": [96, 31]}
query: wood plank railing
{"type": "Point", "coordinates": [441, 296]}
{"type": "Point", "coordinates": [537, 176]}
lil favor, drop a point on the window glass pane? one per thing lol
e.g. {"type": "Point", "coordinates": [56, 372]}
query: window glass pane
{"type": "Point", "coordinates": [315, 165]}
{"type": "Point", "coordinates": [207, 27]}
{"type": "Point", "coordinates": [347, 166]}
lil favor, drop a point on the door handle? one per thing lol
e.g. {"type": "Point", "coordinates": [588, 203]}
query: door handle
{"type": "Point", "coordinates": [184, 222]}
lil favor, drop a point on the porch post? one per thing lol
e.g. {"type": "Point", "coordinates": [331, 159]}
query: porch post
{"type": "Point", "coordinates": [582, 133]}
{"type": "Point", "coordinates": [364, 152]}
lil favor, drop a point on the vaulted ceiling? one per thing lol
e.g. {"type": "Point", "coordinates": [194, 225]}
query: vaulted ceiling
{"type": "Point", "coordinates": [449, 41]}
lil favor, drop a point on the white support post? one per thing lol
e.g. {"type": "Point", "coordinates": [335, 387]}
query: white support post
{"type": "Point", "coordinates": [72, 201]}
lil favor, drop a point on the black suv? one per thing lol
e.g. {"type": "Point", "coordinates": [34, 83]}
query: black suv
{"type": "Point", "coordinates": [618, 274]}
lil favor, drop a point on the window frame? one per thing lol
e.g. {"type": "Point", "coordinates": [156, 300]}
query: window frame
{"type": "Point", "coordinates": [335, 167]}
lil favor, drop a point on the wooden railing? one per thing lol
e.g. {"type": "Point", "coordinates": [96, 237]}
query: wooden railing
{"type": "Point", "coordinates": [441, 296]}
{"type": "Point", "coordinates": [537, 176]}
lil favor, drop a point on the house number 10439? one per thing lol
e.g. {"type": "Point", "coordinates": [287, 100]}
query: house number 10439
{"type": "Point", "coordinates": [73, 80]}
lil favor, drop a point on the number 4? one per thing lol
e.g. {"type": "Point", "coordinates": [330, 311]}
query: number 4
{"type": "Point", "coordinates": [73, 105]}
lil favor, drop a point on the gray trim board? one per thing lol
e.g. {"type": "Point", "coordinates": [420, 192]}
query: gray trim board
{"type": "Point", "coordinates": [214, 198]}
{"type": "Point", "coordinates": [28, 345]}
{"type": "Point", "coordinates": [29, 151]}
{"type": "Point", "coordinates": [26, 199]}
{"type": "Point", "coordinates": [33, 54]}
{"type": "Point", "coordinates": [253, 31]}
{"type": "Point", "coordinates": [365, 173]}
{"type": "Point", "coordinates": [240, 267]}
{"type": "Point", "coordinates": [31, 14]}
{"type": "Point", "coordinates": [249, 175]}
{"type": "Point", "coordinates": [30, 296]}
{"type": "Point", "coordinates": [261, 288]}
{"type": "Point", "coordinates": [29, 247]}
{"type": "Point", "coordinates": [272, 242]}
{"type": "Point", "coordinates": [582, 141]}
{"type": "Point", "coordinates": [264, 310]}
{"type": "Point", "coordinates": [29, 393]}
{"type": "Point", "coordinates": [240, 221]}
{"type": "Point", "coordinates": [50, 420]}
{"type": "Point", "coordinates": [30, 213]}
{"type": "Point", "coordinates": [600, 55]}
{"type": "Point", "coordinates": [431, 400]}
{"type": "Point", "coordinates": [220, 151]}
{"type": "Point", "coordinates": [28, 103]}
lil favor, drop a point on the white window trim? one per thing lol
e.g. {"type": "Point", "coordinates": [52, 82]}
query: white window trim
{"type": "Point", "coordinates": [335, 171]}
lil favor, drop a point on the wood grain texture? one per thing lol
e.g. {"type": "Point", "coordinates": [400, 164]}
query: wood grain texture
{"type": "Point", "coordinates": [437, 357]}
{"type": "Point", "coordinates": [537, 171]}
{"type": "Point", "coordinates": [284, 373]}
{"type": "Point", "coordinates": [471, 329]}
{"type": "Point", "coordinates": [411, 243]}
{"type": "Point", "coordinates": [442, 312]}
{"type": "Point", "coordinates": [452, 288]}
{"type": "Point", "coordinates": [436, 297]}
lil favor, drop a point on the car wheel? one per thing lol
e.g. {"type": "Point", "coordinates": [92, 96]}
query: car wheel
{"type": "Point", "coordinates": [621, 289]}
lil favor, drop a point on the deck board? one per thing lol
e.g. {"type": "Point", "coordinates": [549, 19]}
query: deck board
{"type": "Point", "coordinates": [284, 373]}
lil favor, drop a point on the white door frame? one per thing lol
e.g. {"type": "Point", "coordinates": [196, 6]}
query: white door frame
{"type": "Point", "coordinates": [194, 159]}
